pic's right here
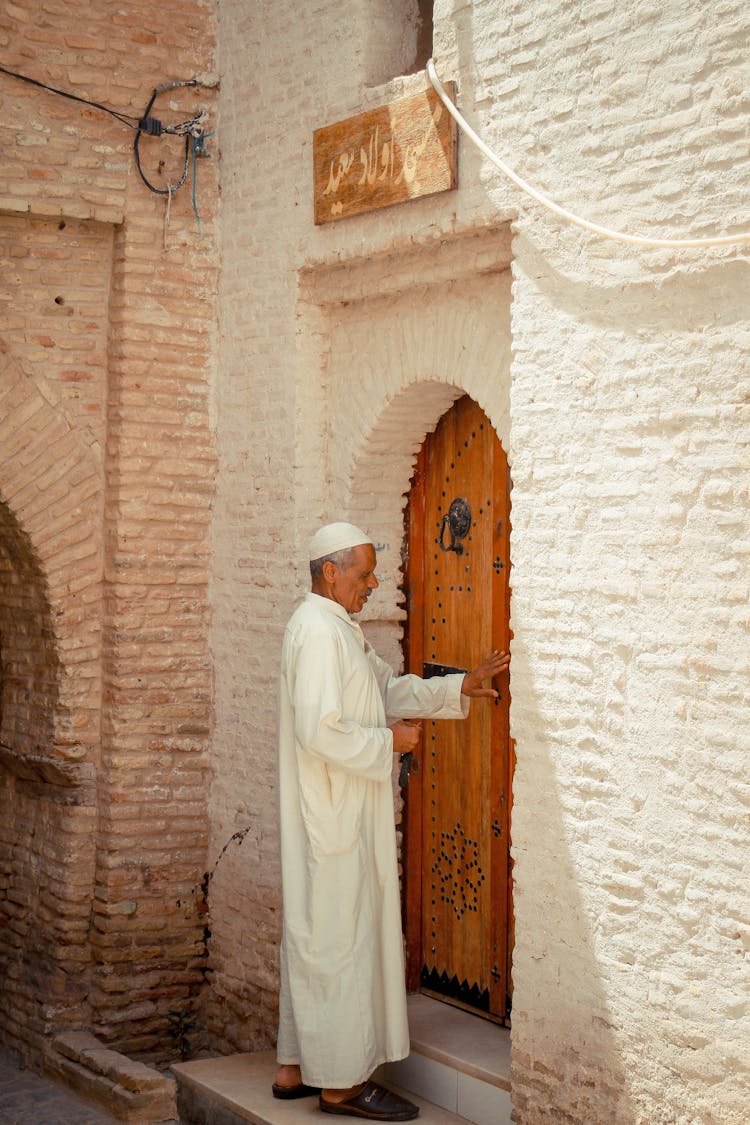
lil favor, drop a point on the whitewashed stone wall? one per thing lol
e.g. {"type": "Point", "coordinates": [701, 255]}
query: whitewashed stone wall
{"type": "Point", "coordinates": [617, 379]}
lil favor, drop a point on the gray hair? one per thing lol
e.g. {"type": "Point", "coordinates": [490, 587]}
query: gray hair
{"type": "Point", "coordinates": [340, 558]}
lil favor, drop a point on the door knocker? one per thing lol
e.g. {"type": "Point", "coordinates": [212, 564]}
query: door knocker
{"type": "Point", "coordinates": [458, 520]}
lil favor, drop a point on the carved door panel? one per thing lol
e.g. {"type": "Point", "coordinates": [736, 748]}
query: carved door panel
{"type": "Point", "coordinates": [456, 858]}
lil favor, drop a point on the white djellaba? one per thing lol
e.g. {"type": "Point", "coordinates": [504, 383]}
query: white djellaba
{"type": "Point", "coordinates": [342, 1004]}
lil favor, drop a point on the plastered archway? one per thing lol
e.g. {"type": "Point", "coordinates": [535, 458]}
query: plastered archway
{"type": "Point", "coordinates": [385, 344]}
{"type": "Point", "coordinates": [432, 328]}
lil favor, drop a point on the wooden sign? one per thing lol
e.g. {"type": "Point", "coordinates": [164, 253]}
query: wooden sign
{"type": "Point", "coordinates": [389, 155]}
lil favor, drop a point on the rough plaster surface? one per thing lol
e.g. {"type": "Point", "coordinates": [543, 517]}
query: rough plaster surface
{"type": "Point", "coordinates": [618, 381]}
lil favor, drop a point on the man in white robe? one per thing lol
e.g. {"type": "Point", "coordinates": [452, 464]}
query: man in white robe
{"type": "Point", "coordinates": [342, 716]}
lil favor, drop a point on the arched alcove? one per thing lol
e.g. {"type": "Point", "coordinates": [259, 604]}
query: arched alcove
{"type": "Point", "coordinates": [50, 703]}
{"type": "Point", "coordinates": [51, 489]}
{"type": "Point", "coordinates": [29, 662]}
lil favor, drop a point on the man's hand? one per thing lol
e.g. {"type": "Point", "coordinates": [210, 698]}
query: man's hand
{"type": "Point", "coordinates": [495, 663]}
{"type": "Point", "coordinates": [405, 736]}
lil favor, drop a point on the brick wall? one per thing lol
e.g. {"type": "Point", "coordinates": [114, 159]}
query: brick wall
{"type": "Point", "coordinates": [106, 477]}
{"type": "Point", "coordinates": [622, 403]}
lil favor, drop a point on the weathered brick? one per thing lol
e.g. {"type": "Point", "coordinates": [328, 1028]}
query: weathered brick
{"type": "Point", "coordinates": [66, 355]}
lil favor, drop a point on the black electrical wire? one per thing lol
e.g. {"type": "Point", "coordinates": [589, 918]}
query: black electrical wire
{"type": "Point", "coordinates": [151, 126]}
{"type": "Point", "coordinates": [136, 152]}
{"type": "Point", "coordinates": [125, 118]}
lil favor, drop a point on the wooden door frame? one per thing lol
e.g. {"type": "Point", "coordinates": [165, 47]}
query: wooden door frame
{"type": "Point", "coordinates": [502, 768]}
{"type": "Point", "coordinates": [411, 849]}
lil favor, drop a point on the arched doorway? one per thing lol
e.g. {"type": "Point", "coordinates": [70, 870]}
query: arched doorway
{"type": "Point", "coordinates": [457, 887]}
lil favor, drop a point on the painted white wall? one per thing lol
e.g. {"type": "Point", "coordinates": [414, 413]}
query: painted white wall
{"type": "Point", "coordinates": [617, 379]}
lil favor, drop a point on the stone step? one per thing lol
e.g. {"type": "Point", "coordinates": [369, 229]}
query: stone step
{"type": "Point", "coordinates": [458, 1061]}
{"type": "Point", "coordinates": [235, 1089]}
{"type": "Point", "coordinates": [458, 1071]}
{"type": "Point", "coordinates": [134, 1093]}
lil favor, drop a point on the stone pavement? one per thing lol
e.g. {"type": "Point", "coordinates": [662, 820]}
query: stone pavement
{"type": "Point", "coordinates": [27, 1098]}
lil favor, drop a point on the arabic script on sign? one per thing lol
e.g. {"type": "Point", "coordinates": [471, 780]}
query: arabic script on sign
{"type": "Point", "coordinates": [388, 155]}
{"type": "Point", "coordinates": [380, 160]}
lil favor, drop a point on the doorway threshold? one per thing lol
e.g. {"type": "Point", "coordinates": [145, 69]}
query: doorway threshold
{"type": "Point", "coordinates": [458, 1061]}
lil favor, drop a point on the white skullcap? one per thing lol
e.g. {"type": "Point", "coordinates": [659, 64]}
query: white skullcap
{"type": "Point", "coordinates": [336, 537]}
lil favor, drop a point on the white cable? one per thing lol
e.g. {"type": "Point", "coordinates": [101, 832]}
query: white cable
{"type": "Point", "coordinates": [606, 232]}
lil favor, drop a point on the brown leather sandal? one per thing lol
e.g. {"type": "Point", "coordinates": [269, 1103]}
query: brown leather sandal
{"type": "Point", "coordinates": [374, 1103]}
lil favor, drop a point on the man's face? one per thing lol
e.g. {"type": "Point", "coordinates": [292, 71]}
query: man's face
{"type": "Point", "coordinates": [352, 587]}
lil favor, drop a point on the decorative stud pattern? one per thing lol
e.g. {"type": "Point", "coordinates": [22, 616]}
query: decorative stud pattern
{"type": "Point", "coordinates": [456, 871]}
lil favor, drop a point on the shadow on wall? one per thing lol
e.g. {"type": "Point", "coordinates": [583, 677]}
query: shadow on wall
{"type": "Point", "coordinates": [708, 294]}
{"type": "Point", "coordinates": [566, 1060]}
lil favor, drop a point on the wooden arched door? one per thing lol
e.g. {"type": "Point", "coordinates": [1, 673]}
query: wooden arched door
{"type": "Point", "coordinates": [457, 886]}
